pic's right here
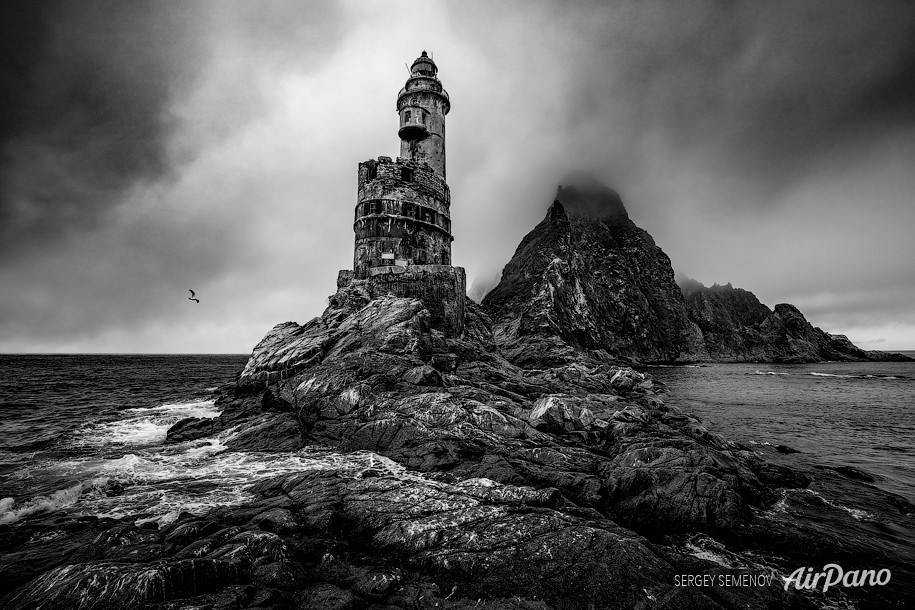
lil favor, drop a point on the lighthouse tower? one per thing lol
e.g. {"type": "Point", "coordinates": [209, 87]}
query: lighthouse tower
{"type": "Point", "coordinates": [422, 105]}
{"type": "Point", "coordinates": [402, 220]}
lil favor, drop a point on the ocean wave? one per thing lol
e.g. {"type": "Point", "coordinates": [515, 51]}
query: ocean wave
{"type": "Point", "coordinates": [894, 448]}
{"type": "Point", "coordinates": [10, 512]}
{"type": "Point", "coordinates": [781, 506]}
{"type": "Point", "coordinates": [867, 376]}
{"type": "Point", "coordinates": [188, 477]}
{"type": "Point", "coordinates": [203, 407]}
{"type": "Point", "coordinates": [144, 426]}
{"type": "Point", "coordinates": [704, 548]}
{"type": "Point", "coordinates": [856, 513]}
{"type": "Point", "coordinates": [758, 372]}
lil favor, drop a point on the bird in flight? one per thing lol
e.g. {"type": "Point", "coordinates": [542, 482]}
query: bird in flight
{"type": "Point", "coordinates": [193, 294]}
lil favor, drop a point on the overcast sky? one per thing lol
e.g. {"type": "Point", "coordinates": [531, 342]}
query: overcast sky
{"type": "Point", "coordinates": [152, 147]}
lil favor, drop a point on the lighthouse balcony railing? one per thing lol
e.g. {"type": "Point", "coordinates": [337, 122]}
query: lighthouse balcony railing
{"type": "Point", "coordinates": [439, 90]}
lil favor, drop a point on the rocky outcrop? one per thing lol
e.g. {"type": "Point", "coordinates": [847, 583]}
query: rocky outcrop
{"type": "Point", "coordinates": [383, 381]}
{"type": "Point", "coordinates": [588, 279]}
{"type": "Point", "coordinates": [363, 532]}
{"type": "Point", "coordinates": [439, 474]}
{"type": "Point", "coordinates": [732, 325]}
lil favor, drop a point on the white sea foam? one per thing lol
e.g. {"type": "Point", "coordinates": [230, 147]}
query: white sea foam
{"type": "Point", "coordinates": [194, 408]}
{"type": "Point", "coordinates": [758, 372]}
{"type": "Point", "coordinates": [708, 555]}
{"type": "Point", "coordinates": [866, 376]}
{"type": "Point", "coordinates": [782, 505]}
{"type": "Point", "coordinates": [145, 426]}
{"type": "Point", "coordinates": [856, 513]}
{"type": "Point", "coordinates": [193, 476]}
{"type": "Point", "coordinates": [10, 511]}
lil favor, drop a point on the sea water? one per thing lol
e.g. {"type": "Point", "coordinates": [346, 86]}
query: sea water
{"type": "Point", "coordinates": [85, 434]}
{"type": "Point", "coordinates": [858, 414]}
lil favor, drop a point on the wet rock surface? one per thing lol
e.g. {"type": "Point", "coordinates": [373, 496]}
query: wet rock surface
{"type": "Point", "coordinates": [587, 278]}
{"type": "Point", "coordinates": [445, 476]}
{"type": "Point", "coordinates": [364, 532]}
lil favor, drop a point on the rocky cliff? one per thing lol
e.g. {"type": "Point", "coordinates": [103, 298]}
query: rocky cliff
{"type": "Point", "coordinates": [732, 325]}
{"type": "Point", "coordinates": [588, 280]}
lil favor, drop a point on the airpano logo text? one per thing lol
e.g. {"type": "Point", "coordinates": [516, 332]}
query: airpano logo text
{"type": "Point", "coordinates": [833, 575]}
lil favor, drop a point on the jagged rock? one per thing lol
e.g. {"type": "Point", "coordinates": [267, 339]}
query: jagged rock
{"type": "Point", "coordinates": [587, 281]}
{"type": "Point", "coordinates": [730, 324]}
{"type": "Point", "coordinates": [185, 533]}
{"type": "Point", "coordinates": [587, 278]}
{"type": "Point", "coordinates": [279, 520]}
{"type": "Point", "coordinates": [423, 375]}
{"type": "Point", "coordinates": [478, 422]}
{"type": "Point", "coordinates": [328, 597]}
{"type": "Point", "coordinates": [496, 545]}
{"type": "Point", "coordinates": [191, 428]}
{"type": "Point", "coordinates": [107, 585]}
{"type": "Point", "coordinates": [554, 414]}
{"type": "Point", "coordinates": [268, 432]}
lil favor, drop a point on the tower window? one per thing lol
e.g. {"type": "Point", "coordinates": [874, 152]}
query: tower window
{"type": "Point", "coordinates": [372, 173]}
{"type": "Point", "coordinates": [375, 207]}
{"type": "Point", "coordinates": [406, 116]}
{"type": "Point", "coordinates": [406, 174]}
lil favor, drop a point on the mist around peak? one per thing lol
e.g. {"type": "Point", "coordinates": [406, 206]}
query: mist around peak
{"type": "Point", "coordinates": [581, 194]}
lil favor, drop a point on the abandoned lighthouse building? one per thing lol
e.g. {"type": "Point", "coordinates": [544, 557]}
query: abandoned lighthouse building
{"type": "Point", "coordinates": [402, 218]}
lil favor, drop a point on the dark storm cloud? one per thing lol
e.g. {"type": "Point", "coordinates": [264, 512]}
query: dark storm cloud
{"type": "Point", "coordinates": [88, 113]}
{"type": "Point", "coordinates": [149, 147]}
{"type": "Point", "coordinates": [763, 90]}
{"type": "Point", "coordinates": [90, 88]}
{"type": "Point", "coordinates": [109, 109]}
{"type": "Point", "coordinates": [748, 137]}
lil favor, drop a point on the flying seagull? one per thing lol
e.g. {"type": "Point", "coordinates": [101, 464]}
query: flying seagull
{"type": "Point", "coordinates": [193, 294]}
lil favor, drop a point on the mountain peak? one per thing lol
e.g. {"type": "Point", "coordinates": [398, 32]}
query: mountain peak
{"type": "Point", "coordinates": [582, 194]}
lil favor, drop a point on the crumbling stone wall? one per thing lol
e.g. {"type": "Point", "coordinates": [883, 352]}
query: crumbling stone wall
{"type": "Point", "coordinates": [441, 288]}
{"type": "Point", "coordinates": [401, 217]}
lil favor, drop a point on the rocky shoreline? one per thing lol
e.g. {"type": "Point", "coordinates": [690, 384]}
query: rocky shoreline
{"type": "Point", "coordinates": [446, 476]}
{"type": "Point", "coordinates": [516, 464]}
